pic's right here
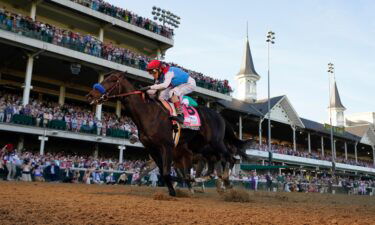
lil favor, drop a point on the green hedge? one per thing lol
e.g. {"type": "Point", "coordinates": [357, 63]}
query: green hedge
{"type": "Point", "coordinates": [23, 119]}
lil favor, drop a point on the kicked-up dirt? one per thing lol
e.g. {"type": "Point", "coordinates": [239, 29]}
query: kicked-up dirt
{"type": "Point", "coordinates": [55, 203]}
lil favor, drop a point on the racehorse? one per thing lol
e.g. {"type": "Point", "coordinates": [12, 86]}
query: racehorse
{"type": "Point", "coordinates": [155, 128]}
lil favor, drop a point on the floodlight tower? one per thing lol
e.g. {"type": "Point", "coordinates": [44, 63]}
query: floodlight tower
{"type": "Point", "coordinates": [270, 40]}
{"type": "Point", "coordinates": [166, 17]}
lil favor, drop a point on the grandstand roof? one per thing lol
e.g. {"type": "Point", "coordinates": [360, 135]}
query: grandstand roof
{"type": "Point", "coordinates": [262, 105]}
{"type": "Point", "coordinates": [312, 125]}
{"type": "Point", "coordinates": [358, 130]}
{"type": "Point", "coordinates": [365, 132]}
{"type": "Point", "coordinates": [260, 108]}
{"type": "Point", "coordinates": [240, 106]}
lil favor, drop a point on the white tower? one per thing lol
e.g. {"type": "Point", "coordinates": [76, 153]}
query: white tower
{"type": "Point", "coordinates": [336, 107]}
{"type": "Point", "coordinates": [247, 77]}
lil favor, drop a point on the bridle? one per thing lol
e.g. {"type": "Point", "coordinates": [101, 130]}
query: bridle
{"type": "Point", "coordinates": [108, 94]}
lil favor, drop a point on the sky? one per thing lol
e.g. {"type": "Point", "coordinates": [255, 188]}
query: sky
{"type": "Point", "coordinates": [309, 34]}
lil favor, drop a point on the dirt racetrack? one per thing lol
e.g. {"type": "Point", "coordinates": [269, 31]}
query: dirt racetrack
{"type": "Point", "coordinates": [54, 203]}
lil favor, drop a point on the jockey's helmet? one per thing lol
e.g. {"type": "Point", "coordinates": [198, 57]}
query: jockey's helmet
{"type": "Point", "coordinates": [154, 68]}
{"type": "Point", "coordinates": [153, 64]}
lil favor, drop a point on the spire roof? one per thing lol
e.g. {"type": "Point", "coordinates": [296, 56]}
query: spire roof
{"type": "Point", "coordinates": [335, 101]}
{"type": "Point", "coordinates": [247, 66]}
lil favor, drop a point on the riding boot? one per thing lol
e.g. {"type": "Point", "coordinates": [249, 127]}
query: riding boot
{"type": "Point", "coordinates": [180, 114]}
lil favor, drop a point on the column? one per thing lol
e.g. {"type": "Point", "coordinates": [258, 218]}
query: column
{"type": "Point", "coordinates": [121, 157]}
{"type": "Point", "coordinates": [309, 141]}
{"type": "Point", "coordinates": [260, 131]}
{"type": "Point", "coordinates": [118, 108]}
{"type": "Point", "coordinates": [158, 54]}
{"type": "Point", "coordinates": [42, 139]}
{"type": "Point", "coordinates": [373, 153]}
{"type": "Point", "coordinates": [355, 152]}
{"type": "Point", "coordinates": [98, 112]}
{"type": "Point", "coordinates": [33, 10]}
{"type": "Point", "coordinates": [21, 141]}
{"type": "Point", "coordinates": [283, 164]}
{"type": "Point", "coordinates": [322, 142]}
{"type": "Point", "coordinates": [96, 150]}
{"type": "Point", "coordinates": [346, 150]}
{"type": "Point", "coordinates": [62, 95]}
{"type": "Point", "coordinates": [334, 148]}
{"type": "Point", "coordinates": [240, 127]}
{"type": "Point", "coordinates": [101, 34]}
{"type": "Point", "coordinates": [27, 87]}
{"type": "Point", "coordinates": [40, 97]}
{"type": "Point", "coordinates": [294, 138]}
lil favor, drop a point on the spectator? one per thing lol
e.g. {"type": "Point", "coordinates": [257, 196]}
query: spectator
{"type": "Point", "coordinates": [110, 179]}
{"type": "Point", "coordinates": [38, 173]}
{"type": "Point", "coordinates": [154, 177]}
{"type": "Point", "coordinates": [52, 171]}
{"type": "Point", "coordinates": [87, 177]}
{"type": "Point", "coordinates": [122, 179]}
{"type": "Point", "coordinates": [68, 175]}
{"type": "Point", "coordinates": [10, 158]}
{"type": "Point", "coordinates": [26, 170]}
{"type": "Point", "coordinates": [2, 112]}
{"type": "Point", "coordinates": [269, 182]}
{"type": "Point", "coordinates": [97, 177]}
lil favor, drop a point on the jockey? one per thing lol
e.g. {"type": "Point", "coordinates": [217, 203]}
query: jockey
{"type": "Point", "coordinates": [173, 83]}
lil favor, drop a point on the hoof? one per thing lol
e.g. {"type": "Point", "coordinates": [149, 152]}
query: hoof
{"type": "Point", "coordinates": [172, 193]}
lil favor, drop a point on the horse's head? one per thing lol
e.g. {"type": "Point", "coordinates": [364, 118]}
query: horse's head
{"type": "Point", "coordinates": [101, 91]}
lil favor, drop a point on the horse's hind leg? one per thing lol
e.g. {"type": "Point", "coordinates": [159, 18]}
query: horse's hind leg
{"type": "Point", "coordinates": [222, 149]}
{"type": "Point", "coordinates": [226, 176]}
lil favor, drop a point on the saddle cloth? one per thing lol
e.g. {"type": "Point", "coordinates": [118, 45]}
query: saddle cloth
{"type": "Point", "coordinates": [191, 116]}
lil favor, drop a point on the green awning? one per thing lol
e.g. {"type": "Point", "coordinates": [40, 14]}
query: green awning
{"type": "Point", "coordinates": [260, 167]}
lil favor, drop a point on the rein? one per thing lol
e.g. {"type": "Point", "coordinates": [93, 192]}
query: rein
{"type": "Point", "coordinates": [127, 94]}
{"type": "Point", "coordinates": [106, 96]}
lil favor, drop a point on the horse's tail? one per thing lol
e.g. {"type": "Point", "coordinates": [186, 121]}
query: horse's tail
{"type": "Point", "coordinates": [232, 139]}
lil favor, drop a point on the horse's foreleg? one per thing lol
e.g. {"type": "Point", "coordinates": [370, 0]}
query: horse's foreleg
{"type": "Point", "coordinates": [166, 155]}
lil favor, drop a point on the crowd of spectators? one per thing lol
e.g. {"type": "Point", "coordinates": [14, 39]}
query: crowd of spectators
{"type": "Point", "coordinates": [85, 43]}
{"type": "Point", "coordinates": [60, 167]}
{"type": "Point", "coordinates": [75, 118]}
{"type": "Point", "coordinates": [207, 81]}
{"type": "Point", "coordinates": [127, 16]}
{"type": "Point", "coordinates": [28, 166]}
{"type": "Point", "coordinates": [306, 183]}
{"type": "Point", "coordinates": [93, 46]}
{"type": "Point", "coordinates": [281, 149]}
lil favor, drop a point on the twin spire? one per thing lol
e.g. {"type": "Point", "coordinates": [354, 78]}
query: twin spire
{"type": "Point", "coordinates": [247, 66]}
{"type": "Point", "coordinates": [247, 77]}
{"type": "Point", "coordinates": [335, 101]}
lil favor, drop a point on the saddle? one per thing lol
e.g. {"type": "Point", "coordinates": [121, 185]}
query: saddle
{"type": "Point", "coordinates": [191, 117]}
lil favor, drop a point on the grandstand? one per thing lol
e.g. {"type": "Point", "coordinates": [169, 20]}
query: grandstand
{"type": "Point", "coordinates": [52, 52]}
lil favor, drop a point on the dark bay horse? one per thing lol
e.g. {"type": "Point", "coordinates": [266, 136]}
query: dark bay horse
{"type": "Point", "coordinates": [155, 127]}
